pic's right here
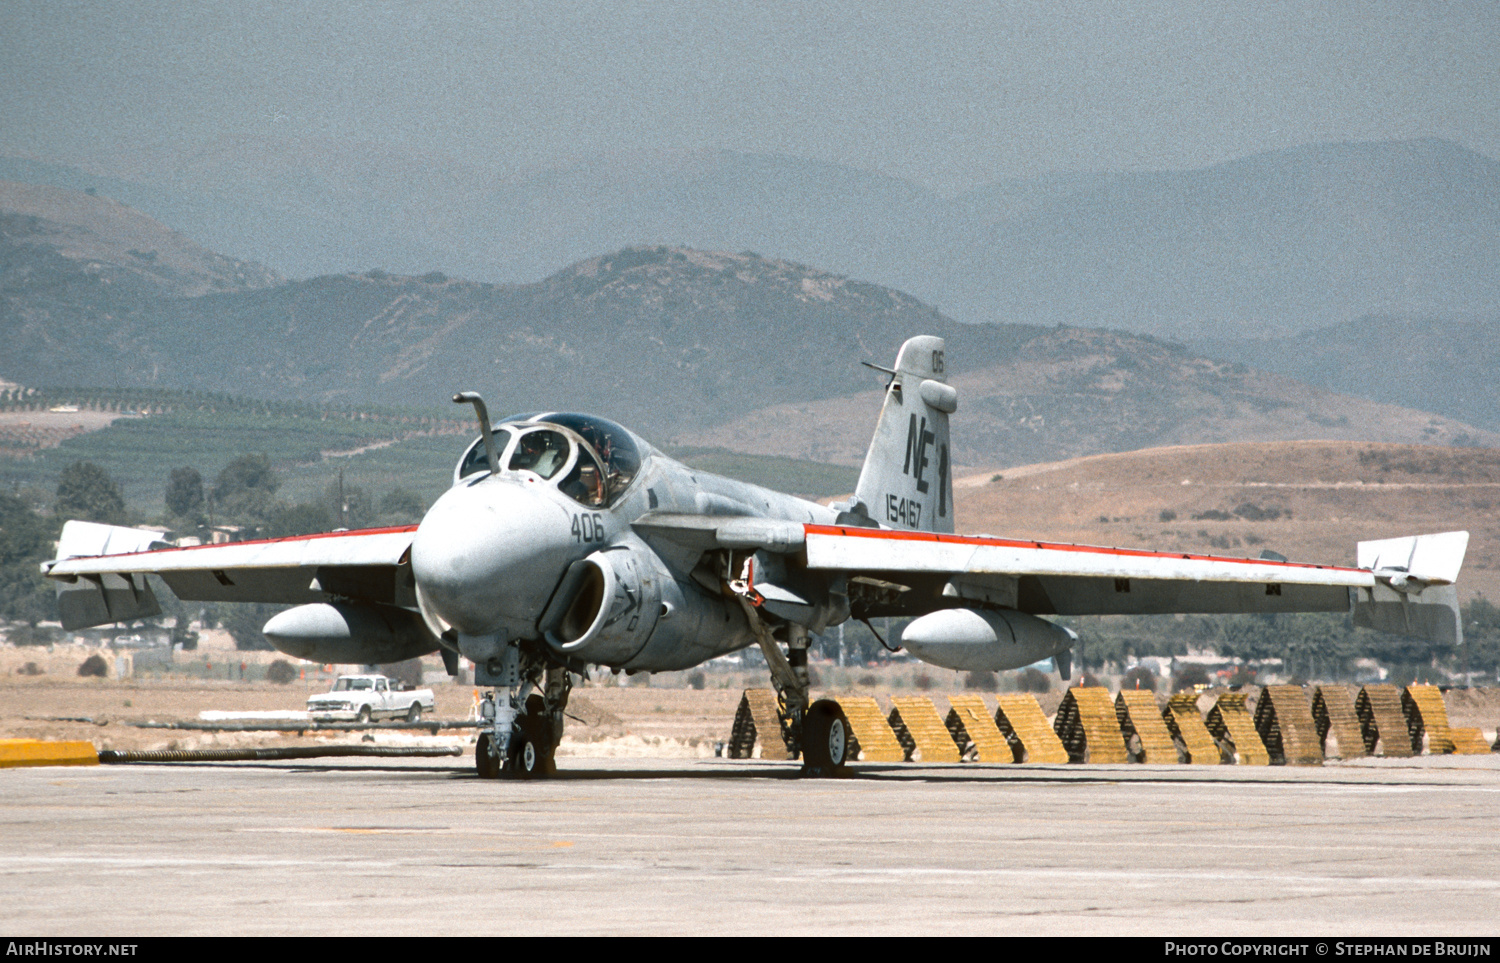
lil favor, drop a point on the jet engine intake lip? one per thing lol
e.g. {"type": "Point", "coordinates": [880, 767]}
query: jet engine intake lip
{"type": "Point", "coordinates": [579, 607]}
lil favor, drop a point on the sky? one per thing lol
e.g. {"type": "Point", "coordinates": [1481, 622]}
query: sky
{"type": "Point", "coordinates": [946, 95]}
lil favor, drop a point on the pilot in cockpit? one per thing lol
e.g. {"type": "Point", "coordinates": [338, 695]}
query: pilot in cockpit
{"type": "Point", "coordinates": [542, 452]}
{"type": "Point", "coordinates": [591, 484]}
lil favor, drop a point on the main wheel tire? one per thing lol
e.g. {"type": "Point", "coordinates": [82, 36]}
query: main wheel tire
{"type": "Point", "coordinates": [536, 725]}
{"type": "Point", "coordinates": [534, 746]}
{"type": "Point", "coordinates": [485, 764]}
{"type": "Point", "coordinates": [826, 739]}
{"type": "Point", "coordinates": [364, 715]}
{"type": "Point", "coordinates": [414, 714]}
{"type": "Point", "coordinates": [529, 758]}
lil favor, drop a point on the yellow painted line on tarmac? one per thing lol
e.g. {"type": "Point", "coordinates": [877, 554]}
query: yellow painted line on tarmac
{"type": "Point", "coordinates": [38, 752]}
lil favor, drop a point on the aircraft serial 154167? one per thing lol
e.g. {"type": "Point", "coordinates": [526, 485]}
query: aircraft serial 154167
{"type": "Point", "coordinates": [566, 541]}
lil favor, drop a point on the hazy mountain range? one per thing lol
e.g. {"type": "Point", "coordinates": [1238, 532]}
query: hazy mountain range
{"type": "Point", "coordinates": [716, 349]}
{"type": "Point", "coordinates": [1273, 244]}
{"type": "Point", "coordinates": [1438, 364]}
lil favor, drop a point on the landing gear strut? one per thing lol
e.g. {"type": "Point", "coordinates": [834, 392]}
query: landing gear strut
{"type": "Point", "coordinates": [788, 673]}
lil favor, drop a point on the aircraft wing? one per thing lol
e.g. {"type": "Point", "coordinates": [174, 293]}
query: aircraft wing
{"type": "Point", "coordinates": [1051, 578]}
{"type": "Point", "coordinates": [100, 570]}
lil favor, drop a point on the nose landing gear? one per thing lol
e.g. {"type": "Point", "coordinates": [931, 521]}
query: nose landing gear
{"type": "Point", "coordinates": [521, 745]}
{"type": "Point", "coordinates": [535, 754]}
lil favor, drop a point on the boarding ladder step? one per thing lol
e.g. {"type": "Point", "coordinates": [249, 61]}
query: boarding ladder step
{"type": "Point", "coordinates": [1185, 723]}
{"type": "Point", "coordinates": [1334, 715]}
{"type": "Point", "coordinates": [1086, 723]}
{"type": "Point", "coordinates": [1468, 742]}
{"type": "Point", "coordinates": [1382, 721]}
{"type": "Point", "coordinates": [1426, 713]}
{"type": "Point", "coordinates": [758, 720]}
{"type": "Point", "coordinates": [872, 738]}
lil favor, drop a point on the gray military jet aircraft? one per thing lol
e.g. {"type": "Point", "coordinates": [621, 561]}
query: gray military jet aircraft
{"type": "Point", "coordinates": [567, 541]}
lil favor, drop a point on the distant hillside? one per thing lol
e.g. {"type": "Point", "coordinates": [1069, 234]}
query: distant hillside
{"type": "Point", "coordinates": [1069, 392]}
{"type": "Point", "coordinates": [1309, 501]}
{"type": "Point", "coordinates": [1440, 365]}
{"type": "Point", "coordinates": [1276, 243]}
{"type": "Point", "coordinates": [81, 277]}
{"type": "Point", "coordinates": [657, 337]}
{"type": "Point", "coordinates": [687, 346]}
{"type": "Point", "coordinates": [51, 236]}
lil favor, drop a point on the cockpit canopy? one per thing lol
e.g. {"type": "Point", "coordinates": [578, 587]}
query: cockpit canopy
{"type": "Point", "coordinates": [591, 460]}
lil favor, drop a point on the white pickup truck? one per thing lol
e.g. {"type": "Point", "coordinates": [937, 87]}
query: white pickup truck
{"type": "Point", "coordinates": [363, 698]}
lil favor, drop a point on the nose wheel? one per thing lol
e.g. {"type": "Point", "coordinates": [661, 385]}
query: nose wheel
{"type": "Point", "coordinates": [531, 752]}
{"type": "Point", "coordinates": [486, 761]}
{"type": "Point", "coordinates": [533, 748]}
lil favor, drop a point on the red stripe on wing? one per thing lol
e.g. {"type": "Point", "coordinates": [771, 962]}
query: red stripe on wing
{"type": "Point", "coordinates": [902, 536]}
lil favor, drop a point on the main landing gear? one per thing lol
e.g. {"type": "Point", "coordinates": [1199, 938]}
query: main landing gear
{"type": "Point", "coordinates": [827, 745]}
{"type": "Point", "coordinates": [819, 733]}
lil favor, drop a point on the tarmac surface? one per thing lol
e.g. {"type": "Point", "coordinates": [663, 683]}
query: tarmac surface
{"type": "Point", "coordinates": [654, 847]}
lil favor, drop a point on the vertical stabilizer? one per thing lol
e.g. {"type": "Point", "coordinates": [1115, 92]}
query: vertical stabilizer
{"type": "Point", "coordinates": [907, 479]}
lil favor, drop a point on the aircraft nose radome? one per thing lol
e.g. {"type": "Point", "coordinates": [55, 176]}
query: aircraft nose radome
{"type": "Point", "coordinates": [487, 557]}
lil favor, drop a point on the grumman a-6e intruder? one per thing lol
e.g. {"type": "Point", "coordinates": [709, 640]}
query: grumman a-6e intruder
{"type": "Point", "coordinates": [566, 541]}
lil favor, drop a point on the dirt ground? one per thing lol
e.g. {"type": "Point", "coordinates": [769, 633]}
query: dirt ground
{"type": "Point", "coordinates": [626, 721]}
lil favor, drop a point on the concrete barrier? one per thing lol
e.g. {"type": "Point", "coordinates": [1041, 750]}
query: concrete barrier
{"type": "Point", "coordinates": [38, 752]}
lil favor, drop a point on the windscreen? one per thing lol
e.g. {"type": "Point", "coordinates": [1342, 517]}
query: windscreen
{"type": "Point", "coordinates": [477, 459]}
{"type": "Point", "coordinates": [542, 451]}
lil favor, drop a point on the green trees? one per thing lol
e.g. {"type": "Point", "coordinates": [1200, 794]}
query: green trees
{"type": "Point", "coordinates": [25, 542]}
{"type": "Point", "coordinates": [243, 621]}
{"type": "Point", "coordinates": [184, 495]}
{"type": "Point", "coordinates": [301, 519]}
{"type": "Point", "coordinates": [354, 510]}
{"type": "Point", "coordinates": [245, 490]}
{"type": "Point", "coordinates": [85, 491]}
{"type": "Point", "coordinates": [248, 494]}
{"type": "Point", "coordinates": [401, 506]}
{"type": "Point", "coordinates": [1482, 640]}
